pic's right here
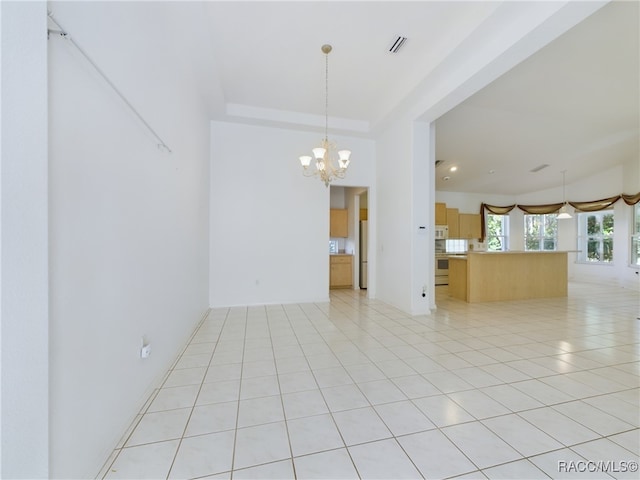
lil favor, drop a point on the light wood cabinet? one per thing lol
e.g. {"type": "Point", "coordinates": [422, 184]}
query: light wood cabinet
{"type": "Point", "coordinates": [458, 277]}
{"type": "Point", "coordinates": [340, 271]}
{"type": "Point", "coordinates": [460, 225]}
{"type": "Point", "coordinates": [338, 223]}
{"type": "Point", "coordinates": [453, 222]}
{"type": "Point", "coordinates": [441, 213]}
{"type": "Point", "coordinates": [469, 226]}
{"type": "Point", "coordinates": [499, 276]}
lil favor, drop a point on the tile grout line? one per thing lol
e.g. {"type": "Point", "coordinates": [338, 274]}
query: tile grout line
{"type": "Point", "coordinates": [195, 400]}
{"type": "Point", "coordinates": [330, 413]}
{"type": "Point", "coordinates": [150, 400]}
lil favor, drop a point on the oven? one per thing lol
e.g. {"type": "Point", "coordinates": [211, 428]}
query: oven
{"type": "Point", "coordinates": [442, 269]}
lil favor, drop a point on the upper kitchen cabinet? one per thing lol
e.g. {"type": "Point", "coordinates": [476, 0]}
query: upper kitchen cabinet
{"type": "Point", "coordinates": [469, 224]}
{"type": "Point", "coordinates": [338, 223]}
{"type": "Point", "coordinates": [453, 222]}
{"type": "Point", "coordinates": [441, 213]}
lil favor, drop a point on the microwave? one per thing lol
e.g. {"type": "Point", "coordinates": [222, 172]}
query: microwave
{"type": "Point", "coordinates": [441, 232]}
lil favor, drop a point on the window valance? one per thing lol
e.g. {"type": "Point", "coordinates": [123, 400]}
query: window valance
{"type": "Point", "coordinates": [595, 205]}
{"type": "Point", "coordinates": [592, 206]}
{"type": "Point", "coordinates": [541, 209]}
{"type": "Point", "coordinates": [496, 210]}
{"type": "Point", "coordinates": [631, 199]}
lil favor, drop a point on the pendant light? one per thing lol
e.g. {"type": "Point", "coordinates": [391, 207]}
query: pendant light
{"type": "Point", "coordinates": [562, 213]}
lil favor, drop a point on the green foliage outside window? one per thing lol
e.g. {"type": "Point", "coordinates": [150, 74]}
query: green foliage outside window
{"type": "Point", "coordinates": [496, 232]}
{"type": "Point", "coordinates": [540, 232]}
{"type": "Point", "coordinates": [635, 236]}
{"type": "Point", "coordinates": [598, 233]}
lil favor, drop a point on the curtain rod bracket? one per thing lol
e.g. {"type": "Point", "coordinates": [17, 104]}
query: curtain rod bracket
{"type": "Point", "coordinates": [56, 32]}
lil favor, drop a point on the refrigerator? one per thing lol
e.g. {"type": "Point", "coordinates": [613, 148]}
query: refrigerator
{"type": "Point", "coordinates": [364, 252]}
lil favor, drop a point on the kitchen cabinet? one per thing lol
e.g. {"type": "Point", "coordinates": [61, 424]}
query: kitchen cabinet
{"type": "Point", "coordinates": [453, 222]}
{"type": "Point", "coordinates": [469, 226]}
{"type": "Point", "coordinates": [340, 271]}
{"type": "Point", "coordinates": [338, 223]}
{"type": "Point", "coordinates": [441, 213]}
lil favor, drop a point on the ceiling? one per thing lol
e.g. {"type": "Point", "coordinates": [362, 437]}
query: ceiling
{"type": "Point", "coordinates": [277, 64]}
{"type": "Point", "coordinates": [572, 104]}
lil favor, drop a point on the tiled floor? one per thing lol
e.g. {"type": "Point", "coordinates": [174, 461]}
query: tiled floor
{"type": "Point", "coordinates": [356, 388]}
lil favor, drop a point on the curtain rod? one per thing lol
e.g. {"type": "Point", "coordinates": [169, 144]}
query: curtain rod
{"type": "Point", "coordinates": [64, 34]}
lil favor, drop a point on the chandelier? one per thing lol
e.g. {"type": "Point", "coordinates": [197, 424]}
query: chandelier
{"type": "Point", "coordinates": [325, 154]}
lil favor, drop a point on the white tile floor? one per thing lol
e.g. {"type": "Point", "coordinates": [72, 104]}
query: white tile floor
{"type": "Point", "coordinates": [358, 389]}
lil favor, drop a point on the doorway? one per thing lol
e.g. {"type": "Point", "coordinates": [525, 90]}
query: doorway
{"type": "Point", "coordinates": [354, 204]}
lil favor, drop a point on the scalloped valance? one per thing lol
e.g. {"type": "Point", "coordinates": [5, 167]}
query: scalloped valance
{"type": "Point", "coordinates": [591, 206]}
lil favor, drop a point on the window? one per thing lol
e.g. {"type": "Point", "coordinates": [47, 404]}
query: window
{"type": "Point", "coordinates": [497, 228]}
{"type": "Point", "coordinates": [457, 246]}
{"type": "Point", "coordinates": [541, 232]}
{"type": "Point", "coordinates": [635, 236]}
{"type": "Point", "coordinates": [595, 237]}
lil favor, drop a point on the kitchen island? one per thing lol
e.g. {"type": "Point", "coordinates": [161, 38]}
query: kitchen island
{"type": "Point", "coordinates": [495, 276]}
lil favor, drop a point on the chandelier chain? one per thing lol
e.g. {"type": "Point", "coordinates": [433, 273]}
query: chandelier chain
{"type": "Point", "coordinates": [326, 96]}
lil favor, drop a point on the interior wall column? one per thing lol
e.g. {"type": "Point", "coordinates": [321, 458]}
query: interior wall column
{"type": "Point", "coordinates": [422, 204]}
{"type": "Point", "coordinates": [24, 336]}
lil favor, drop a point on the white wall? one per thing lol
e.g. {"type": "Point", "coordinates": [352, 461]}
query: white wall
{"type": "Point", "coordinates": [394, 200]}
{"type": "Point", "coordinates": [422, 218]}
{"type": "Point", "coordinates": [269, 225]}
{"type": "Point", "coordinates": [24, 414]}
{"type": "Point", "coordinates": [631, 176]}
{"type": "Point", "coordinates": [128, 226]}
{"type": "Point", "coordinates": [471, 202]}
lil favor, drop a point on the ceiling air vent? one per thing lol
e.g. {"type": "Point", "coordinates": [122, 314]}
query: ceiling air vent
{"type": "Point", "coordinates": [539, 167]}
{"type": "Point", "coordinates": [397, 43]}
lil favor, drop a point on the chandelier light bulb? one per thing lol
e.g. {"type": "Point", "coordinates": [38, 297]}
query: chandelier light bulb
{"type": "Point", "coordinates": [305, 160]}
{"type": "Point", "coordinates": [319, 152]}
{"type": "Point", "coordinates": [344, 158]}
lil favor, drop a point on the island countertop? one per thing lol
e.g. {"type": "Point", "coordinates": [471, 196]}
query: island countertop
{"type": "Point", "coordinates": [509, 252]}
